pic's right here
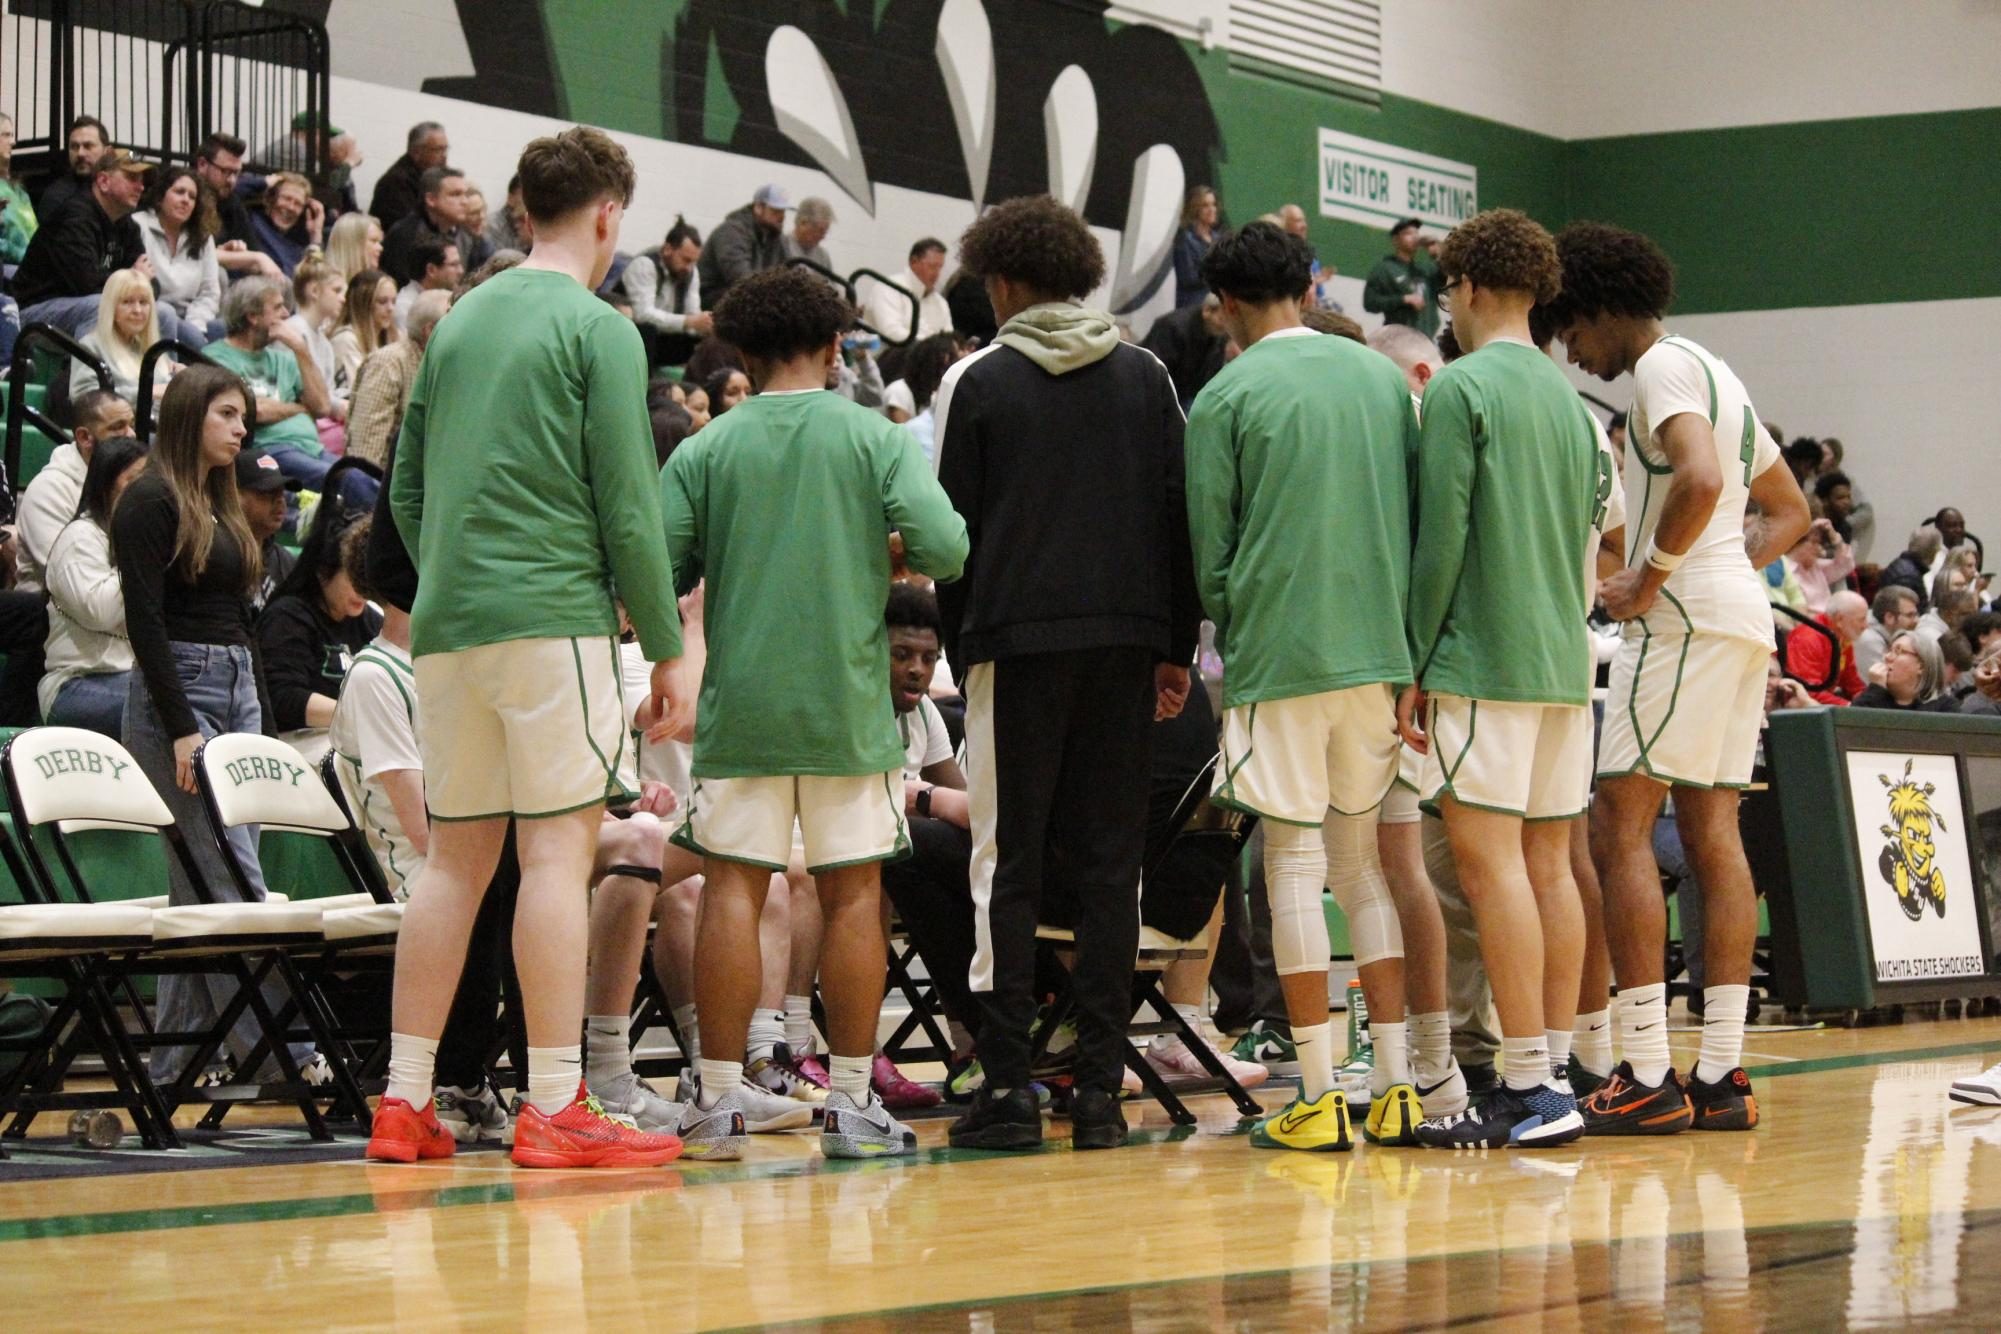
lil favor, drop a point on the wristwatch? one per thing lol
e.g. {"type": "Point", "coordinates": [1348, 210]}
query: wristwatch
{"type": "Point", "coordinates": [923, 803]}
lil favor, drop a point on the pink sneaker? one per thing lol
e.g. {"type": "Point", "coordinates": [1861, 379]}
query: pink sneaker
{"type": "Point", "coordinates": [898, 1092]}
{"type": "Point", "coordinates": [809, 1069]}
{"type": "Point", "coordinates": [1171, 1057]}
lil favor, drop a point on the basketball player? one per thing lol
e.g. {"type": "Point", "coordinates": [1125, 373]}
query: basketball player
{"type": "Point", "coordinates": [1687, 688]}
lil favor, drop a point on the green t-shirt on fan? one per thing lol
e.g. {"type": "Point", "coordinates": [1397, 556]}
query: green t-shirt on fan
{"type": "Point", "coordinates": [272, 373]}
{"type": "Point", "coordinates": [785, 505]}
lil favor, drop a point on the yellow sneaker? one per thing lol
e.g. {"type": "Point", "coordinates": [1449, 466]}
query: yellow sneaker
{"type": "Point", "coordinates": [1393, 1117]}
{"type": "Point", "coordinates": [1317, 1127]}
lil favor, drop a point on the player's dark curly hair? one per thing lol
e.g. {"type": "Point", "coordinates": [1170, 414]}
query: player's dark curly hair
{"type": "Point", "coordinates": [1259, 264]}
{"type": "Point", "coordinates": [1038, 242]}
{"type": "Point", "coordinates": [782, 313]}
{"type": "Point", "coordinates": [913, 608]}
{"type": "Point", "coordinates": [1608, 270]}
{"type": "Point", "coordinates": [1503, 248]}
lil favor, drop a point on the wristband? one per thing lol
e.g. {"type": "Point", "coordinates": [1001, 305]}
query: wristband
{"type": "Point", "coordinates": [923, 803]}
{"type": "Point", "coordinates": [1667, 562]}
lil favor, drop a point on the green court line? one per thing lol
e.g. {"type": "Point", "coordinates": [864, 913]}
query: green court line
{"type": "Point", "coordinates": [716, 1174]}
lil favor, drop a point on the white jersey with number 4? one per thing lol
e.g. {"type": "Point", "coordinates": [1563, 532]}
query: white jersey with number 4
{"type": "Point", "coordinates": [1715, 590]}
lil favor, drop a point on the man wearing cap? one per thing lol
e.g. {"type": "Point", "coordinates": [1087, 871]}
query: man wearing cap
{"type": "Point", "coordinates": [1403, 287]}
{"type": "Point", "coordinates": [747, 241]}
{"type": "Point", "coordinates": [261, 485]}
{"type": "Point", "coordinates": [76, 249]}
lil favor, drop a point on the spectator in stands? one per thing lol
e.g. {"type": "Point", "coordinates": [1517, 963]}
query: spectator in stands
{"type": "Point", "coordinates": [1835, 496]}
{"type": "Point", "coordinates": [354, 244]}
{"type": "Point", "coordinates": [263, 490]}
{"type": "Point", "coordinates": [509, 228]}
{"type": "Point", "coordinates": [1190, 342]}
{"type": "Point", "coordinates": [1894, 611]}
{"type": "Point", "coordinates": [219, 163]}
{"type": "Point", "coordinates": [1985, 700]}
{"type": "Point", "coordinates": [187, 564]}
{"type": "Point", "coordinates": [473, 216]}
{"type": "Point", "coordinates": [1860, 514]}
{"type": "Point", "coordinates": [1913, 568]}
{"type": "Point", "coordinates": [1817, 564]}
{"type": "Point", "coordinates": [1957, 654]}
{"type": "Point", "coordinates": [672, 423]}
{"type": "Point", "coordinates": [924, 371]}
{"type": "Point", "coordinates": [50, 500]}
{"type": "Point", "coordinates": [319, 296]}
{"type": "Point", "coordinates": [367, 322]}
{"type": "Point", "coordinates": [727, 388]}
{"type": "Point", "coordinates": [696, 400]}
{"type": "Point", "coordinates": [810, 226]}
{"type": "Point", "coordinates": [439, 265]}
{"type": "Point", "coordinates": [1200, 219]}
{"type": "Point", "coordinates": [1982, 631]}
{"type": "Point", "coordinates": [78, 247]}
{"type": "Point", "coordinates": [745, 242]}
{"type": "Point", "coordinates": [309, 634]}
{"type": "Point", "coordinates": [88, 139]}
{"type": "Point", "coordinates": [88, 658]}
{"type": "Point", "coordinates": [1951, 607]}
{"type": "Point", "coordinates": [385, 381]}
{"type": "Point", "coordinates": [273, 360]}
{"type": "Point", "coordinates": [17, 211]}
{"type": "Point", "coordinates": [972, 312]}
{"type": "Point", "coordinates": [400, 192]}
{"type": "Point", "coordinates": [887, 306]}
{"type": "Point", "coordinates": [1912, 679]}
{"type": "Point", "coordinates": [1811, 659]}
{"type": "Point", "coordinates": [1959, 569]}
{"type": "Point", "coordinates": [1403, 287]}
{"type": "Point", "coordinates": [1615, 431]}
{"type": "Point", "coordinates": [442, 216]}
{"type": "Point", "coordinates": [128, 323]}
{"type": "Point", "coordinates": [1415, 355]}
{"type": "Point", "coordinates": [710, 355]}
{"type": "Point", "coordinates": [1951, 525]}
{"type": "Point", "coordinates": [289, 221]}
{"type": "Point", "coordinates": [664, 289]}
{"type": "Point", "coordinates": [1803, 456]}
{"type": "Point", "coordinates": [178, 225]}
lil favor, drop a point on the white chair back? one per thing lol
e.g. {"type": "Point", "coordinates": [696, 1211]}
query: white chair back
{"type": "Point", "coordinates": [82, 779]}
{"type": "Point", "coordinates": [263, 781]}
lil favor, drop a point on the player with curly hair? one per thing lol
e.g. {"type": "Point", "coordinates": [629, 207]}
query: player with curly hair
{"type": "Point", "coordinates": [1508, 492]}
{"type": "Point", "coordinates": [793, 726]}
{"type": "Point", "coordinates": [1687, 692]}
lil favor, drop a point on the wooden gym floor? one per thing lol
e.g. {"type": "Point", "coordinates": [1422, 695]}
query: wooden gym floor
{"type": "Point", "coordinates": [1867, 1199]}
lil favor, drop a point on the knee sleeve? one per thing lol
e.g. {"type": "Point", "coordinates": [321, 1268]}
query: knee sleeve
{"type": "Point", "coordinates": [1355, 874]}
{"type": "Point", "coordinates": [1295, 873]}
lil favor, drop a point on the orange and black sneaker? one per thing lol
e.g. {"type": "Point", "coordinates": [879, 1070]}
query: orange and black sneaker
{"type": "Point", "coordinates": [582, 1135]}
{"type": "Point", "coordinates": [403, 1134]}
{"type": "Point", "coordinates": [1727, 1104]}
{"type": "Point", "coordinates": [1625, 1106]}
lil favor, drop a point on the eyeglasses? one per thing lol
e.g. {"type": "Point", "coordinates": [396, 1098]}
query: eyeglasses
{"type": "Point", "coordinates": [1445, 292]}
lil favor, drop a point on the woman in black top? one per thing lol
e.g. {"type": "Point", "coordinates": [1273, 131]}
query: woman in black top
{"type": "Point", "coordinates": [310, 631]}
{"type": "Point", "coordinates": [188, 563]}
{"type": "Point", "coordinates": [1913, 681]}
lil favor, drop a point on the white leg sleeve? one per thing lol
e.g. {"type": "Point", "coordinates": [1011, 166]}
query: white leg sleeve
{"type": "Point", "coordinates": [1295, 873]}
{"type": "Point", "coordinates": [1355, 874]}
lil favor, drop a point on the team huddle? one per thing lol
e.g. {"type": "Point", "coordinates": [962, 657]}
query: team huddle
{"type": "Point", "coordinates": [1399, 586]}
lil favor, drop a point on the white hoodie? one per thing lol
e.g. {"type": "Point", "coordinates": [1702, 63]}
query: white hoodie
{"type": "Point", "coordinates": [86, 610]}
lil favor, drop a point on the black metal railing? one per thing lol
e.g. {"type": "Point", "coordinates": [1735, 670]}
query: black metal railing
{"type": "Point", "coordinates": [19, 415]}
{"type": "Point", "coordinates": [142, 412]}
{"type": "Point", "coordinates": [847, 285]}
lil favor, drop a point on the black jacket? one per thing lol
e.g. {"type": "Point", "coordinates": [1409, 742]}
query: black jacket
{"type": "Point", "coordinates": [1907, 571]}
{"type": "Point", "coordinates": [399, 193]}
{"type": "Point", "coordinates": [1190, 352]}
{"type": "Point", "coordinates": [1071, 488]}
{"type": "Point", "coordinates": [75, 251]}
{"type": "Point", "coordinates": [307, 653]}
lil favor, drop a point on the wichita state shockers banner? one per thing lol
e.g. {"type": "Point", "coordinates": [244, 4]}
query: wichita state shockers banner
{"type": "Point", "coordinates": [1917, 877]}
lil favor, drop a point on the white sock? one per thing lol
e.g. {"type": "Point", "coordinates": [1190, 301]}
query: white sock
{"type": "Point", "coordinates": [799, 1024]}
{"type": "Point", "coordinates": [1392, 1065]}
{"type": "Point", "coordinates": [1723, 1010]}
{"type": "Point", "coordinates": [1591, 1041]}
{"type": "Point", "coordinates": [849, 1075]}
{"type": "Point", "coordinates": [1430, 1047]}
{"type": "Point", "coordinates": [608, 1045]}
{"type": "Point", "coordinates": [718, 1078]}
{"type": "Point", "coordinates": [553, 1076]}
{"type": "Point", "coordinates": [1643, 1036]}
{"type": "Point", "coordinates": [1527, 1062]}
{"type": "Point", "coordinates": [1559, 1052]}
{"type": "Point", "coordinates": [1316, 1060]}
{"type": "Point", "coordinates": [412, 1061]}
{"type": "Point", "coordinates": [690, 1024]}
{"type": "Point", "coordinates": [767, 1030]}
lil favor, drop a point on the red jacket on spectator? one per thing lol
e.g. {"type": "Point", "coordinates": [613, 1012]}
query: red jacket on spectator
{"type": "Point", "coordinates": [1807, 654]}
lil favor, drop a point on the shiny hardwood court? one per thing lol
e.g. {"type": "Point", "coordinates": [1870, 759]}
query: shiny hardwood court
{"type": "Point", "coordinates": [1866, 1200]}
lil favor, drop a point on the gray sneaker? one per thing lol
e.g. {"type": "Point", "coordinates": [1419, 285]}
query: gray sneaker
{"type": "Point", "coordinates": [714, 1134]}
{"type": "Point", "coordinates": [632, 1098]}
{"type": "Point", "coordinates": [474, 1116]}
{"type": "Point", "coordinates": [852, 1130]}
{"type": "Point", "coordinates": [765, 1112]}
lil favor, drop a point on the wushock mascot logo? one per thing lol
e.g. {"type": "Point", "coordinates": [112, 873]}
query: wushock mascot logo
{"type": "Point", "coordinates": [1909, 864]}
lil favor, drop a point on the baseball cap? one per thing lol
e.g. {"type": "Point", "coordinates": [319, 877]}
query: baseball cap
{"type": "Point", "coordinates": [117, 159]}
{"type": "Point", "coordinates": [307, 120]}
{"type": "Point", "coordinates": [772, 196]}
{"type": "Point", "coordinates": [257, 470]}
{"type": "Point", "coordinates": [1407, 222]}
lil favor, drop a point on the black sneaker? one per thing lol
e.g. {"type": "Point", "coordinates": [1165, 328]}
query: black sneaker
{"type": "Point", "coordinates": [1582, 1082]}
{"type": "Point", "coordinates": [1010, 1122]}
{"type": "Point", "coordinates": [1727, 1104]}
{"type": "Point", "coordinates": [1625, 1106]}
{"type": "Point", "coordinates": [1480, 1078]}
{"type": "Point", "coordinates": [1096, 1122]}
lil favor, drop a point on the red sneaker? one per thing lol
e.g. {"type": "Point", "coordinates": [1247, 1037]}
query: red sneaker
{"type": "Point", "coordinates": [403, 1134]}
{"type": "Point", "coordinates": [898, 1092]}
{"type": "Point", "coordinates": [581, 1135]}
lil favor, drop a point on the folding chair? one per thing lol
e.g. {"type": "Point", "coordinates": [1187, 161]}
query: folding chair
{"type": "Point", "coordinates": [1195, 818]}
{"type": "Point", "coordinates": [61, 781]}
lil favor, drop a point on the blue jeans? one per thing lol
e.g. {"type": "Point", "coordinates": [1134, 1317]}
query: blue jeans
{"type": "Point", "coordinates": [221, 688]}
{"type": "Point", "coordinates": [96, 702]}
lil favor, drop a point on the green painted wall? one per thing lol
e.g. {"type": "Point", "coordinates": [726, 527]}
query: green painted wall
{"type": "Point", "coordinates": [1821, 213]}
